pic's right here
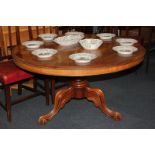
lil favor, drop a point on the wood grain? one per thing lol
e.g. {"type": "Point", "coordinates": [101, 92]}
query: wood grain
{"type": "Point", "coordinates": [108, 61]}
{"type": "Point", "coordinates": [79, 89]}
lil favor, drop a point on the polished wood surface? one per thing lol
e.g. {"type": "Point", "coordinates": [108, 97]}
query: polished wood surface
{"type": "Point", "coordinates": [108, 61]}
{"type": "Point", "coordinates": [79, 89]}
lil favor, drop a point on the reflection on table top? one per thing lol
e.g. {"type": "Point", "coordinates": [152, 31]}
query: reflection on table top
{"type": "Point", "coordinates": [107, 61]}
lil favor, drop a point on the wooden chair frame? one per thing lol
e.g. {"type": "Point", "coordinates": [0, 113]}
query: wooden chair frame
{"type": "Point", "coordinates": [45, 90]}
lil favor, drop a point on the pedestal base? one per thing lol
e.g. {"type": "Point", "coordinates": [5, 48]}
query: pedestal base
{"type": "Point", "coordinates": [79, 89]}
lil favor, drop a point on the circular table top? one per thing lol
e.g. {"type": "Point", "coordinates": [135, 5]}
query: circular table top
{"type": "Point", "coordinates": [108, 61]}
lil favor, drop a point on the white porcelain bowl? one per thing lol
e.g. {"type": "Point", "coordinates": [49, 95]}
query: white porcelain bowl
{"type": "Point", "coordinates": [75, 33]}
{"type": "Point", "coordinates": [91, 44]}
{"type": "Point", "coordinates": [44, 52]}
{"type": "Point", "coordinates": [82, 58]}
{"type": "Point", "coordinates": [32, 44]}
{"type": "Point", "coordinates": [125, 50]}
{"type": "Point", "coordinates": [126, 41]}
{"type": "Point", "coordinates": [106, 36]}
{"type": "Point", "coordinates": [67, 40]}
{"type": "Point", "coordinates": [47, 36]}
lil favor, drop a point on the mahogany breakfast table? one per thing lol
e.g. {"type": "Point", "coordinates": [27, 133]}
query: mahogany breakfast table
{"type": "Point", "coordinates": [108, 61]}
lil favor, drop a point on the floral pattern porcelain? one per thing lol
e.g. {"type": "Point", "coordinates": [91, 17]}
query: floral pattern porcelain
{"type": "Point", "coordinates": [126, 41]}
{"type": "Point", "coordinates": [44, 52]}
{"type": "Point", "coordinates": [82, 58]}
{"type": "Point", "coordinates": [91, 44]}
{"type": "Point", "coordinates": [106, 36]}
{"type": "Point", "coordinates": [47, 36]}
{"type": "Point", "coordinates": [32, 44]}
{"type": "Point", "coordinates": [125, 50]}
{"type": "Point", "coordinates": [68, 40]}
{"type": "Point", "coordinates": [75, 33]}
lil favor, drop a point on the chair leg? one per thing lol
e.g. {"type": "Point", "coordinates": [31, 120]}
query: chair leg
{"type": "Point", "coordinates": [147, 62]}
{"type": "Point", "coordinates": [53, 90]}
{"type": "Point", "coordinates": [35, 84]}
{"type": "Point", "coordinates": [47, 90]}
{"type": "Point", "coordinates": [20, 89]}
{"type": "Point", "coordinates": [8, 102]}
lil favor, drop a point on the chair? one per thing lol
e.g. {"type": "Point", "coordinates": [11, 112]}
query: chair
{"type": "Point", "coordinates": [13, 36]}
{"type": "Point", "coordinates": [85, 29]}
{"type": "Point", "coordinates": [10, 74]}
{"type": "Point", "coordinates": [124, 31]}
{"type": "Point", "coordinates": [131, 31]}
{"type": "Point", "coordinates": [110, 29]}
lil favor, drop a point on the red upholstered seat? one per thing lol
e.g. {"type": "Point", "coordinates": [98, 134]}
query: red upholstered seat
{"type": "Point", "coordinates": [10, 73]}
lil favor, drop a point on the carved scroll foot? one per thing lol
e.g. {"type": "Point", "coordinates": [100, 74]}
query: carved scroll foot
{"type": "Point", "coordinates": [62, 97]}
{"type": "Point", "coordinates": [79, 89]}
{"type": "Point", "coordinates": [97, 97]}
